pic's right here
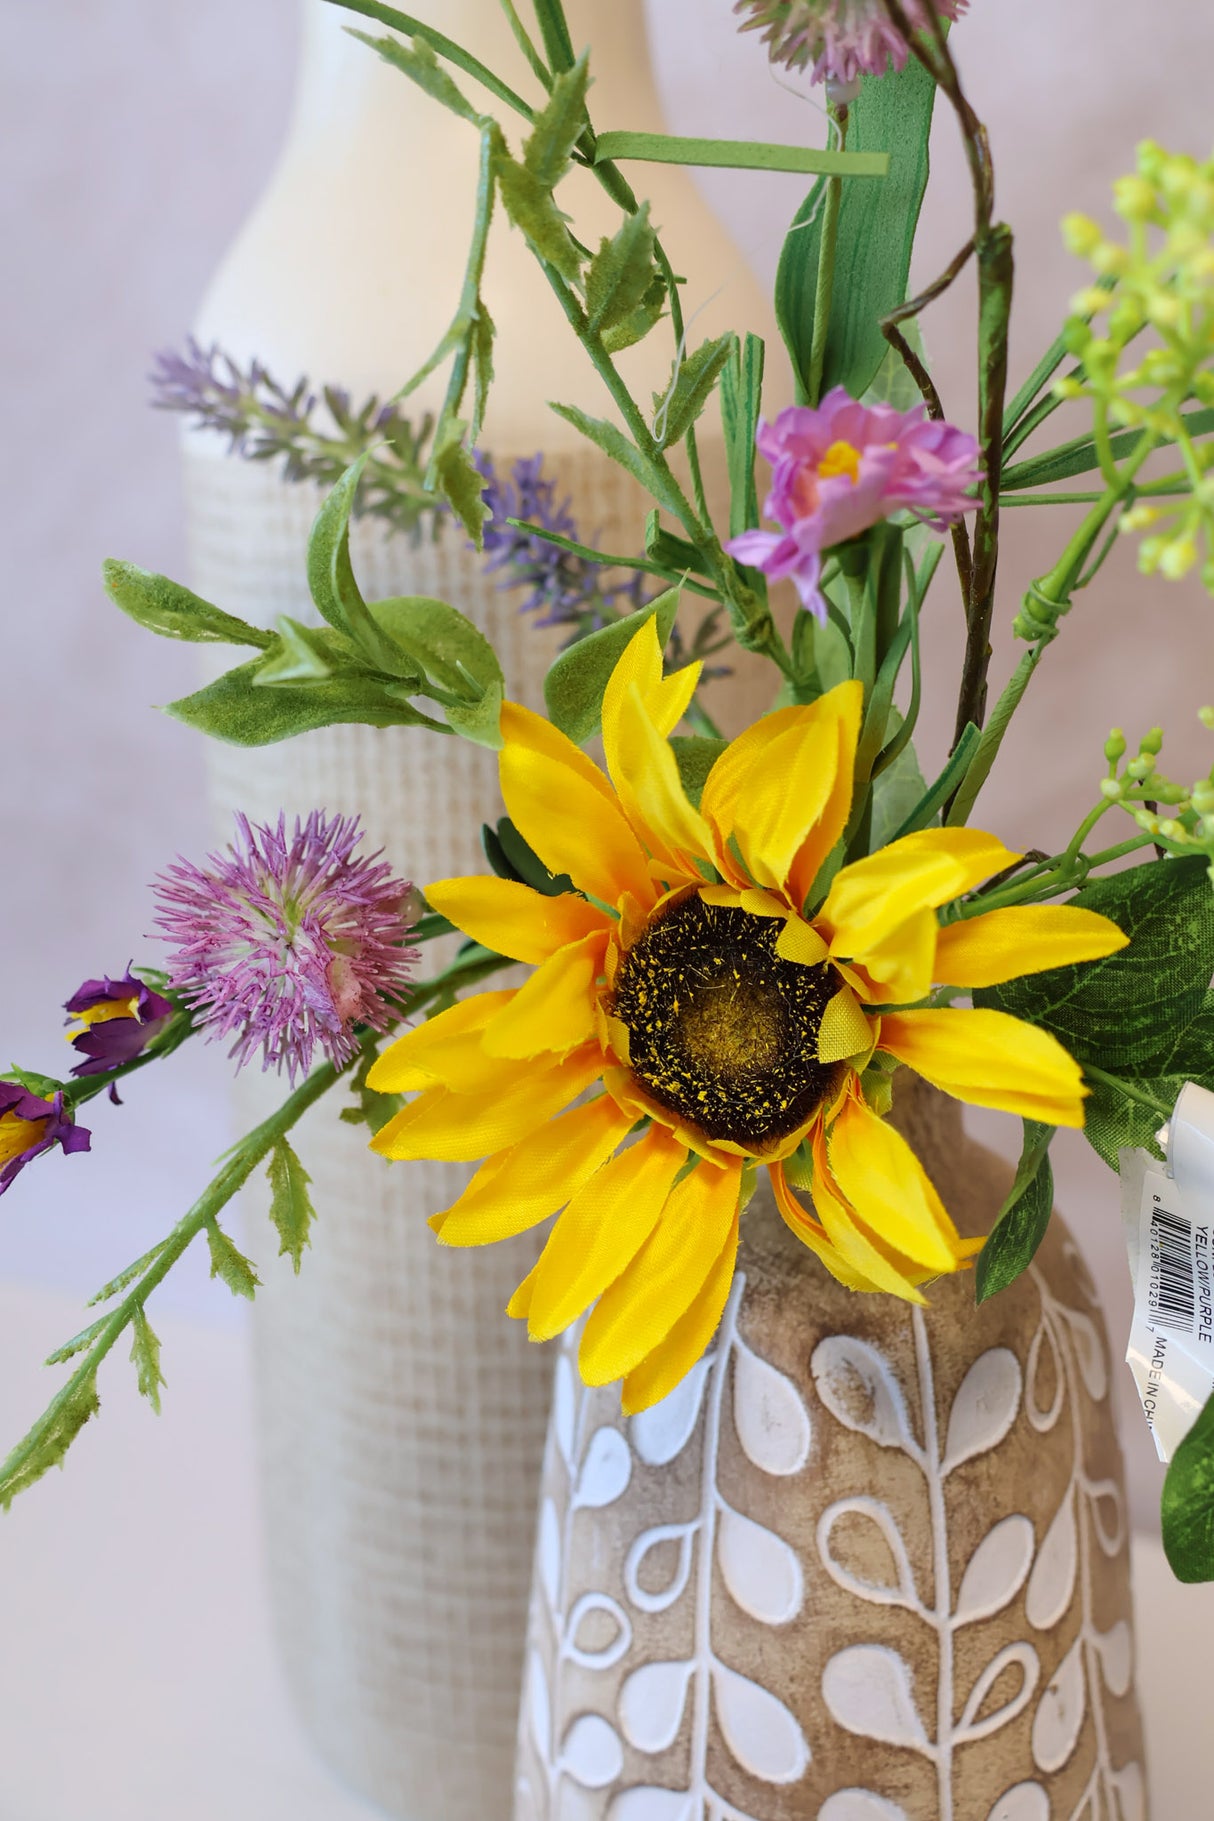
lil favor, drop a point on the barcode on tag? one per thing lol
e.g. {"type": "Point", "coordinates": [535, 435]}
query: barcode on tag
{"type": "Point", "coordinates": [1172, 1296]}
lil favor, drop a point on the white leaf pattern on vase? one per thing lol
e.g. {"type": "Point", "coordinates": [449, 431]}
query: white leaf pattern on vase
{"type": "Point", "coordinates": [857, 1385]}
{"type": "Point", "coordinates": [660, 1434]}
{"type": "Point", "coordinates": [549, 1552]}
{"type": "Point", "coordinates": [764, 1737]}
{"type": "Point", "coordinates": [996, 1570]}
{"type": "Point", "coordinates": [769, 1415]}
{"type": "Point", "coordinates": [1090, 1354]}
{"type": "Point", "coordinates": [645, 1803]}
{"type": "Point", "coordinates": [605, 1472]}
{"type": "Point", "coordinates": [539, 1705]}
{"type": "Point", "coordinates": [1131, 1792]}
{"type": "Point", "coordinates": [564, 1401]}
{"type": "Point", "coordinates": [1115, 1648]}
{"type": "Point", "coordinates": [901, 1592]}
{"type": "Point", "coordinates": [1052, 1582]}
{"type": "Point", "coordinates": [867, 1688]}
{"type": "Point", "coordinates": [651, 1704]}
{"type": "Point", "coordinates": [984, 1408]}
{"type": "Point", "coordinates": [591, 1752]}
{"type": "Point", "coordinates": [1023, 1657]}
{"type": "Point", "coordinates": [1059, 1717]}
{"type": "Point", "coordinates": [607, 1655]}
{"type": "Point", "coordinates": [859, 1805]}
{"type": "Point", "coordinates": [762, 1573]}
{"type": "Point", "coordinates": [1026, 1802]}
{"type": "Point", "coordinates": [657, 1599]}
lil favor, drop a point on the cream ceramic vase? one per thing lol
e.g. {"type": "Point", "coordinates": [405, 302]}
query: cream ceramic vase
{"type": "Point", "coordinates": [401, 1416]}
{"type": "Point", "coordinates": [867, 1563]}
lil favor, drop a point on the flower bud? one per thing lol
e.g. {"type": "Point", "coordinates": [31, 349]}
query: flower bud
{"type": "Point", "coordinates": [1134, 198]}
{"type": "Point", "coordinates": [1178, 558]}
{"type": "Point", "coordinates": [1152, 741]}
{"type": "Point", "coordinates": [1112, 788]}
{"type": "Point", "coordinates": [1081, 234]}
{"type": "Point", "coordinates": [1114, 746]}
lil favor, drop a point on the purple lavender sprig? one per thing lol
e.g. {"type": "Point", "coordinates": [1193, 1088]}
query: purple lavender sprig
{"type": "Point", "coordinates": [264, 420]}
{"type": "Point", "coordinates": [287, 941]}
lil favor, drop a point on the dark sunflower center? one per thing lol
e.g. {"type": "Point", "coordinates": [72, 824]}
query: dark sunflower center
{"type": "Point", "coordinates": [721, 1029]}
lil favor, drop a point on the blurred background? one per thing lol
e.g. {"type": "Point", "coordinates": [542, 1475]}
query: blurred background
{"type": "Point", "coordinates": [135, 139]}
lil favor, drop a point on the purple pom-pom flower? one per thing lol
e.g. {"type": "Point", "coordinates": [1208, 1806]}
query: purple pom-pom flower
{"type": "Point", "coordinates": [839, 468]}
{"type": "Point", "coordinates": [29, 1126]}
{"type": "Point", "coordinates": [842, 39]}
{"type": "Point", "coordinates": [287, 941]}
{"type": "Point", "coordinates": [120, 1018]}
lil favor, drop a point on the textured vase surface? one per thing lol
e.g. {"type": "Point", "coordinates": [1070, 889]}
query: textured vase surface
{"type": "Point", "coordinates": [867, 1563]}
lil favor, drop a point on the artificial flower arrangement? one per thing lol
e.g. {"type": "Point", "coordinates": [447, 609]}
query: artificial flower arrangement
{"type": "Point", "coordinates": [735, 944]}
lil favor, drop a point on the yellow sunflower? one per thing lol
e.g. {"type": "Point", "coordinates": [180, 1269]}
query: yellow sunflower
{"type": "Point", "coordinates": [684, 991]}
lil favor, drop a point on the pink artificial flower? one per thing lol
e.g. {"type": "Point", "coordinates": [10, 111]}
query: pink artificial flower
{"type": "Point", "coordinates": [842, 466]}
{"type": "Point", "coordinates": [844, 39]}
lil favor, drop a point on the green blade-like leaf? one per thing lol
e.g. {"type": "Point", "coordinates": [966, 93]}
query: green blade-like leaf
{"type": "Point", "coordinates": [622, 273]}
{"type": "Point", "coordinates": [291, 1207]}
{"type": "Point", "coordinates": [230, 1265]}
{"type": "Point", "coordinates": [166, 607]}
{"type": "Point", "coordinates": [1023, 1219]}
{"type": "Point", "coordinates": [577, 680]}
{"type": "Point", "coordinates": [930, 804]}
{"type": "Point", "coordinates": [236, 709]}
{"type": "Point", "coordinates": [554, 30]}
{"type": "Point", "coordinates": [897, 793]}
{"type": "Point", "coordinates": [741, 405]}
{"type": "Point", "coordinates": [1118, 1013]}
{"type": "Point", "coordinates": [1079, 456]}
{"type": "Point", "coordinates": [145, 1357]}
{"type": "Point", "coordinates": [737, 155]}
{"type": "Point", "coordinates": [1188, 1503]}
{"type": "Point", "coordinates": [558, 127]}
{"type": "Point", "coordinates": [614, 443]}
{"type": "Point", "coordinates": [876, 233]}
{"type": "Point", "coordinates": [691, 384]}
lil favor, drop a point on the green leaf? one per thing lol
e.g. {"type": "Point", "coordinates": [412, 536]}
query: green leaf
{"type": "Point", "coordinates": [418, 62]}
{"type": "Point", "coordinates": [695, 756]}
{"type": "Point", "coordinates": [534, 212]}
{"type": "Point", "coordinates": [741, 404]}
{"type": "Point", "coordinates": [229, 1265]}
{"type": "Point", "coordinates": [1188, 1503]}
{"type": "Point", "coordinates": [1079, 456]}
{"type": "Point", "coordinates": [235, 708]}
{"type": "Point", "coordinates": [577, 680]}
{"type": "Point", "coordinates": [737, 155]}
{"type": "Point", "coordinates": [897, 794]}
{"type": "Point", "coordinates": [558, 127]}
{"type": "Point", "coordinates": [622, 273]}
{"type": "Point", "coordinates": [892, 383]}
{"type": "Point", "coordinates": [1023, 1218]}
{"type": "Point", "coordinates": [45, 1087]}
{"type": "Point", "coordinates": [613, 442]}
{"type": "Point", "coordinates": [691, 384]}
{"type": "Point", "coordinates": [930, 804]}
{"type": "Point", "coordinates": [554, 30]}
{"type": "Point", "coordinates": [1124, 1110]}
{"type": "Point", "coordinates": [55, 1432]}
{"type": "Point", "coordinates": [302, 656]}
{"type": "Point", "coordinates": [452, 653]}
{"type": "Point", "coordinates": [459, 480]}
{"type": "Point", "coordinates": [331, 582]}
{"type": "Point", "coordinates": [876, 233]}
{"type": "Point", "coordinates": [669, 549]}
{"type": "Point", "coordinates": [513, 858]}
{"type": "Point", "coordinates": [78, 1342]}
{"type": "Point", "coordinates": [1117, 1013]}
{"type": "Point", "coordinates": [166, 607]}
{"type": "Point", "coordinates": [145, 1357]}
{"type": "Point", "coordinates": [126, 1276]}
{"type": "Point", "coordinates": [291, 1207]}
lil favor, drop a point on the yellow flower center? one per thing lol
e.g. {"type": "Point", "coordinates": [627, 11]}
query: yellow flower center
{"type": "Point", "coordinates": [721, 1030]}
{"type": "Point", "coordinates": [105, 1009]}
{"type": "Point", "coordinates": [17, 1135]}
{"type": "Point", "coordinates": [840, 458]}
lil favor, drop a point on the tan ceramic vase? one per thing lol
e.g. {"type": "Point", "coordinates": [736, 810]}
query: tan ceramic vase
{"type": "Point", "coordinates": [867, 1563]}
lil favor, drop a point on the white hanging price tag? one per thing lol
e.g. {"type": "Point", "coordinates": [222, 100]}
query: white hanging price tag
{"type": "Point", "coordinates": [1168, 1216]}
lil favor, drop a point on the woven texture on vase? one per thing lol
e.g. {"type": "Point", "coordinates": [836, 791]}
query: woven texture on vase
{"type": "Point", "coordinates": [401, 1415]}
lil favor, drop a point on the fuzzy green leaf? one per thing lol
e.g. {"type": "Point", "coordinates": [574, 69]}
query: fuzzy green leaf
{"type": "Point", "coordinates": [876, 233]}
{"type": "Point", "coordinates": [577, 680]}
{"type": "Point", "coordinates": [622, 273]}
{"type": "Point", "coordinates": [636, 325]}
{"type": "Point", "coordinates": [534, 212]}
{"type": "Point", "coordinates": [418, 62]}
{"type": "Point", "coordinates": [455, 655]}
{"type": "Point", "coordinates": [459, 481]}
{"type": "Point", "coordinates": [695, 756]}
{"type": "Point", "coordinates": [145, 1357]}
{"type": "Point", "coordinates": [1117, 1013]}
{"type": "Point", "coordinates": [166, 607]}
{"type": "Point", "coordinates": [1188, 1503]}
{"type": "Point", "coordinates": [1023, 1218]}
{"type": "Point", "coordinates": [236, 709]}
{"type": "Point", "coordinates": [741, 405]}
{"type": "Point", "coordinates": [78, 1342]}
{"type": "Point", "coordinates": [691, 384]}
{"type": "Point", "coordinates": [52, 1435]}
{"type": "Point", "coordinates": [302, 656]}
{"type": "Point", "coordinates": [291, 1207]}
{"type": "Point", "coordinates": [612, 441]}
{"type": "Point", "coordinates": [331, 582]}
{"type": "Point", "coordinates": [126, 1276]}
{"type": "Point", "coordinates": [557, 129]}
{"type": "Point", "coordinates": [230, 1265]}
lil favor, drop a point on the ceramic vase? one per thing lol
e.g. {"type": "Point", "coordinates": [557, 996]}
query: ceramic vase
{"type": "Point", "coordinates": [401, 1417]}
{"type": "Point", "coordinates": [868, 1562]}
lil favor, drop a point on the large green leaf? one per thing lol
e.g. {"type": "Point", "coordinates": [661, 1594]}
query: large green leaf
{"type": "Point", "coordinates": [237, 708]}
{"type": "Point", "coordinates": [1023, 1218]}
{"type": "Point", "coordinates": [876, 233]}
{"type": "Point", "coordinates": [577, 680]}
{"type": "Point", "coordinates": [1188, 1503]}
{"type": "Point", "coordinates": [1126, 1110]}
{"type": "Point", "coordinates": [1120, 1013]}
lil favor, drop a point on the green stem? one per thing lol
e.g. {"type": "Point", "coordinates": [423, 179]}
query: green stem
{"type": "Point", "coordinates": [1132, 1090]}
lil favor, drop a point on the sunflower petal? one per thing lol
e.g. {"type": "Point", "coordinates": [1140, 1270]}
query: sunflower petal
{"type": "Point", "coordinates": [882, 1267]}
{"type": "Point", "coordinates": [845, 704]}
{"type": "Point", "coordinates": [446, 1048]}
{"type": "Point", "coordinates": [601, 1231]}
{"type": "Point", "coordinates": [783, 797]}
{"type": "Point", "coordinates": [457, 1128]}
{"type": "Point", "coordinates": [563, 806]}
{"type": "Point", "coordinates": [513, 919]}
{"type": "Point", "coordinates": [989, 1059]}
{"type": "Point", "coordinates": [665, 699]}
{"type": "Point", "coordinates": [880, 1176]}
{"type": "Point", "coordinates": [800, 941]}
{"type": "Point", "coordinates": [799, 1222]}
{"type": "Point", "coordinates": [652, 793]}
{"type": "Point", "coordinates": [672, 1359]}
{"type": "Point", "coordinates": [555, 1008]}
{"type": "Point", "coordinates": [636, 1313]}
{"type": "Point", "coordinates": [518, 1188]}
{"type": "Point", "coordinates": [871, 897]}
{"type": "Point", "coordinates": [1022, 939]}
{"type": "Point", "coordinates": [902, 967]}
{"type": "Point", "coordinates": [844, 1030]}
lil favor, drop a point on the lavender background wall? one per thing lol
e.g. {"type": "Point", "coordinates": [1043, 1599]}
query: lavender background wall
{"type": "Point", "coordinates": [135, 136]}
